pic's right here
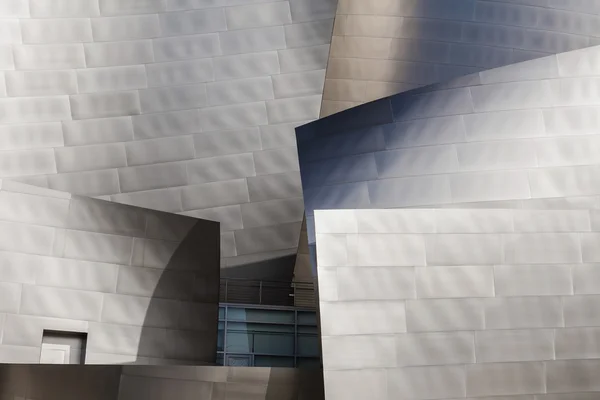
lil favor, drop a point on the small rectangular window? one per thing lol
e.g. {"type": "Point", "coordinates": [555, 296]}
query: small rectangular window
{"type": "Point", "coordinates": [63, 347]}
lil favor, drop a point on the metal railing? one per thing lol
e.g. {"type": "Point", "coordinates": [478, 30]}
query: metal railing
{"type": "Point", "coordinates": [270, 293]}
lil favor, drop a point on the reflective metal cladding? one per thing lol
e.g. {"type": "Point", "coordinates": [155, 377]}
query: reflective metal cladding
{"type": "Point", "coordinates": [190, 106]}
{"type": "Point", "coordinates": [140, 286]}
{"type": "Point", "coordinates": [452, 225]}
{"type": "Point", "coordinates": [187, 107]}
{"type": "Point", "coordinates": [523, 135]}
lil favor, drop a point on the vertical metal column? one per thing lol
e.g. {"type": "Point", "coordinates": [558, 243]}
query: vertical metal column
{"type": "Point", "coordinates": [295, 338]}
{"type": "Point", "coordinates": [225, 361]}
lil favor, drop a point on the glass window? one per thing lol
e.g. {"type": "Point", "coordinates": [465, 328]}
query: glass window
{"type": "Point", "coordinates": [268, 337]}
{"type": "Point", "coordinates": [239, 342]}
{"type": "Point", "coordinates": [254, 315]}
{"type": "Point", "coordinates": [239, 360]}
{"type": "Point", "coordinates": [220, 339]}
{"type": "Point", "coordinates": [308, 345]}
{"type": "Point", "coordinates": [312, 330]}
{"type": "Point", "coordinates": [236, 314]}
{"type": "Point", "coordinates": [273, 361]}
{"type": "Point", "coordinates": [242, 327]}
{"type": "Point", "coordinates": [237, 326]}
{"type": "Point", "coordinates": [266, 343]}
{"type": "Point", "coordinates": [307, 318]}
{"type": "Point", "coordinates": [308, 363]}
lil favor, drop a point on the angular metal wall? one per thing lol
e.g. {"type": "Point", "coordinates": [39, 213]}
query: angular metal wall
{"type": "Point", "coordinates": [189, 106]}
{"type": "Point", "coordinates": [220, 383]}
{"type": "Point", "coordinates": [71, 382]}
{"type": "Point", "coordinates": [381, 48]}
{"type": "Point", "coordinates": [142, 284]}
{"type": "Point", "coordinates": [185, 106]}
{"type": "Point", "coordinates": [499, 297]}
{"type": "Point", "coordinates": [449, 304]}
{"type": "Point", "coordinates": [65, 382]}
{"type": "Point", "coordinates": [523, 135]}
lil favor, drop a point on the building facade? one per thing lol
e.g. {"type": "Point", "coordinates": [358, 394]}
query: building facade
{"type": "Point", "coordinates": [186, 107]}
{"type": "Point", "coordinates": [200, 98]}
{"type": "Point", "coordinates": [86, 281]}
{"type": "Point", "coordinates": [113, 382]}
{"type": "Point", "coordinates": [518, 136]}
{"type": "Point", "coordinates": [381, 48]}
{"type": "Point", "coordinates": [449, 304]}
{"type": "Point", "coordinates": [128, 127]}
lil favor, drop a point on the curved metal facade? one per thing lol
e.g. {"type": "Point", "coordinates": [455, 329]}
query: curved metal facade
{"type": "Point", "coordinates": [523, 135]}
{"type": "Point", "coordinates": [142, 285]}
{"type": "Point", "coordinates": [189, 106]}
{"type": "Point", "coordinates": [381, 48]}
{"type": "Point", "coordinates": [185, 106]}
